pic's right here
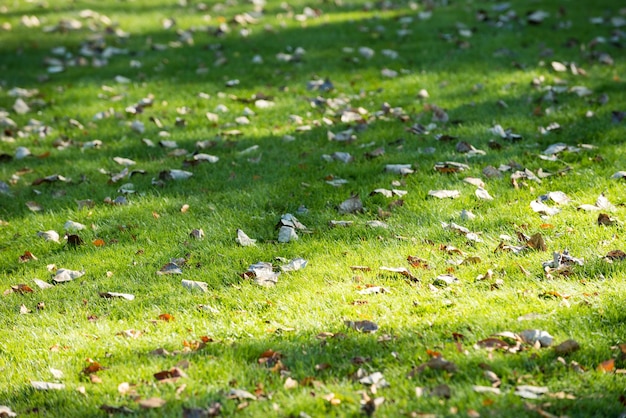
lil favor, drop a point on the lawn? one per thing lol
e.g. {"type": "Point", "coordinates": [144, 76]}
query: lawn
{"type": "Point", "coordinates": [322, 208]}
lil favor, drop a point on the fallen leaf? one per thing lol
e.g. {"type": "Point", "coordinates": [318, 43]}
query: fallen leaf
{"type": "Point", "coordinates": [49, 235]}
{"type": "Point", "coordinates": [151, 403]}
{"type": "Point", "coordinates": [362, 326]}
{"type": "Point", "coordinates": [65, 275]}
{"type": "Point", "coordinates": [240, 394]}
{"type": "Point", "coordinates": [244, 240]}
{"type": "Point", "coordinates": [126, 296]}
{"type": "Point", "coordinates": [351, 205]}
{"type": "Point", "coordinates": [170, 268]}
{"type": "Point", "coordinates": [46, 385]}
{"type": "Point", "coordinates": [166, 317]}
{"type": "Point", "coordinates": [5, 411]}
{"type": "Point", "coordinates": [531, 392]}
{"type": "Point", "coordinates": [607, 366]}
{"type": "Point", "coordinates": [444, 194]}
{"type": "Point", "coordinates": [195, 285]}
{"type": "Point", "coordinates": [566, 347]}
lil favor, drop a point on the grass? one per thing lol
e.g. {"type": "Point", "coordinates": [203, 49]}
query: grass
{"type": "Point", "coordinates": [250, 190]}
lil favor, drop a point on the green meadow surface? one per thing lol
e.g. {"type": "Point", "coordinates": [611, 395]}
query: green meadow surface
{"type": "Point", "coordinates": [482, 63]}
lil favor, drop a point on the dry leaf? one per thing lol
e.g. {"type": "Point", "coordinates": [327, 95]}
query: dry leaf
{"type": "Point", "coordinates": [65, 275]}
{"type": "Point", "coordinates": [108, 295]}
{"type": "Point", "coordinates": [351, 205]}
{"type": "Point", "coordinates": [194, 285]}
{"type": "Point", "coordinates": [46, 385]}
{"type": "Point", "coordinates": [244, 240]}
{"type": "Point", "coordinates": [151, 403]}
{"type": "Point", "coordinates": [607, 366]}
{"type": "Point", "coordinates": [566, 347]}
{"type": "Point", "coordinates": [444, 194]}
{"type": "Point", "coordinates": [362, 326]}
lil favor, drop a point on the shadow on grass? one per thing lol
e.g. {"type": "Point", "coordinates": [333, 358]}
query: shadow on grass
{"type": "Point", "coordinates": [331, 365]}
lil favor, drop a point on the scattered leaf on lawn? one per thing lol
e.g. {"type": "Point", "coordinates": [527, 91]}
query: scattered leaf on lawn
{"type": "Point", "coordinates": [73, 226]}
{"type": "Point", "coordinates": [290, 383]}
{"type": "Point", "coordinates": [166, 317]}
{"type": "Point", "coordinates": [194, 285]}
{"type": "Point", "coordinates": [400, 270]}
{"type": "Point", "coordinates": [240, 394]}
{"type": "Point", "coordinates": [34, 206]}
{"type": "Point", "coordinates": [46, 385]}
{"type": "Point", "coordinates": [5, 411]}
{"type": "Point", "coordinates": [531, 392]}
{"type": "Point", "coordinates": [606, 220]}
{"type": "Point", "coordinates": [196, 233]}
{"type": "Point", "coordinates": [263, 274]}
{"type": "Point", "coordinates": [244, 240]}
{"type": "Point", "coordinates": [109, 295]}
{"type": "Point", "coordinates": [445, 280]}
{"type": "Point", "coordinates": [375, 378]}
{"type": "Point", "coordinates": [417, 262]}
{"type": "Point", "coordinates": [362, 326]}
{"type": "Point", "coordinates": [151, 403]}
{"type": "Point", "coordinates": [566, 347]}
{"type": "Point", "coordinates": [65, 275]}
{"type": "Point", "coordinates": [444, 194]}
{"type": "Point", "coordinates": [483, 194]}
{"type": "Point", "coordinates": [27, 256]}
{"type": "Point", "coordinates": [99, 242]}
{"type": "Point", "coordinates": [49, 235]}
{"type": "Point", "coordinates": [170, 375]}
{"type": "Point", "coordinates": [450, 167]}
{"type": "Point", "coordinates": [486, 389]}
{"type": "Point", "coordinates": [403, 169]}
{"type": "Point", "coordinates": [351, 205]}
{"type": "Point", "coordinates": [543, 209]}
{"type": "Point", "coordinates": [607, 366]}
{"type": "Point", "coordinates": [170, 268]}
{"type": "Point", "coordinates": [42, 284]}
{"type": "Point", "coordinates": [533, 336]}
{"type": "Point", "coordinates": [295, 264]}
{"type": "Point", "coordinates": [536, 242]}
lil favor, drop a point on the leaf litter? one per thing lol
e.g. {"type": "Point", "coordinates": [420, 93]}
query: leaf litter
{"type": "Point", "coordinates": [263, 273]}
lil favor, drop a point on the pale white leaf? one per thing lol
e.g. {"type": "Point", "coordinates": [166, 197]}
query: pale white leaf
{"type": "Point", "coordinates": [444, 194]}
{"type": "Point", "coordinates": [194, 285]}
{"type": "Point", "coordinates": [483, 194]}
{"type": "Point", "coordinates": [46, 385]}
{"type": "Point", "coordinates": [50, 235]}
{"type": "Point", "coordinates": [73, 226]}
{"type": "Point", "coordinates": [295, 264]}
{"type": "Point", "coordinates": [243, 239]}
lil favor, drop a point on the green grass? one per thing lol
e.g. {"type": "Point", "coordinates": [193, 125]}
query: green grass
{"type": "Point", "coordinates": [465, 76]}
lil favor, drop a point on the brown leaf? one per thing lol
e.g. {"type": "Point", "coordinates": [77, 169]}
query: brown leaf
{"type": "Point", "coordinates": [616, 255]}
{"type": "Point", "coordinates": [269, 357]}
{"type": "Point", "coordinates": [94, 367]}
{"type": "Point", "coordinates": [536, 242]}
{"type": "Point", "coordinates": [74, 240]}
{"type": "Point", "coordinates": [27, 256]}
{"type": "Point", "coordinates": [166, 317]}
{"type": "Point", "coordinates": [605, 219]}
{"type": "Point", "coordinates": [21, 288]}
{"type": "Point", "coordinates": [566, 347]}
{"type": "Point", "coordinates": [99, 242]}
{"type": "Point", "coordinates": [170, 375]}
{"type": "Point", "coordinates": [607, 366]}
{"type": "Point", "coordinates": [417, 262]}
